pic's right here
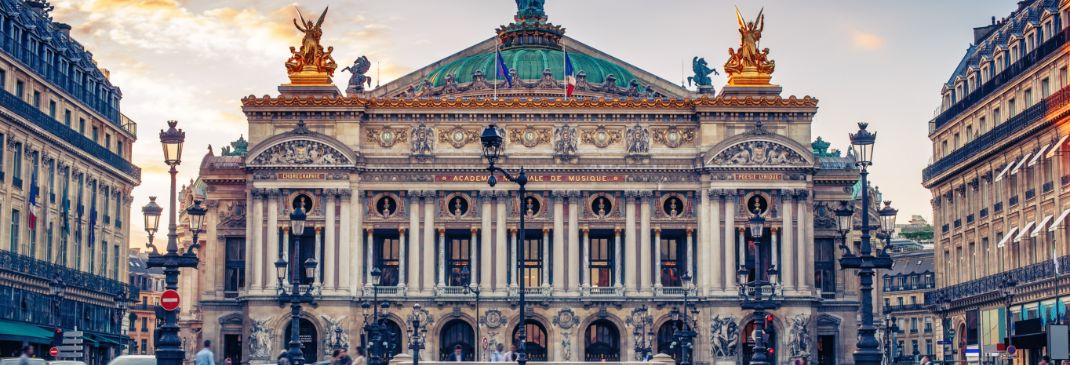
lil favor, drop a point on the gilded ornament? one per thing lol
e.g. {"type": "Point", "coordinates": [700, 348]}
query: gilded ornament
{"type": "Point", "coordinates": [387, 136]}
{"type": "Point", "coordinates": [757, 101]}
{"type": "Point", "coordinates": [673, 136]}
{"type": "Point", "coordinates": [601, 137]}
{"type": "Point", "coordinates": [529, 136]}
{"type": "Point", "coordinates": [311, 64]}
{"type": "Point", "coordinates": [747, 65]}
{"type": "Point", "coordinates": [457, 136]}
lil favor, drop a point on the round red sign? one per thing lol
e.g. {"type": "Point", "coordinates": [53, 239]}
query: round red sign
{"type": "Point", "coordinates": [53, 352]}
{"type": "Point", "coordinates": [169, 300]}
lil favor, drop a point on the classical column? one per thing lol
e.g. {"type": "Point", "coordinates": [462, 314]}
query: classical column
{"type": "Point", "coordinates": [513, 280]}
{"type": "Point", "coordinates": [250, 248]}
{"type": "Point", "coordinates": [486, 257]}
{"type": "Point", "coordinates": [286, 250]}
{"type": "Point", "coordinates": [787, 273]}
{"type": "Point", "coordinates": [472, 253]}
{"type": "Point", "coordinates": [427, 249]}
{"type": "Point", "coordinates": [730, 265]}
{"type": "Point", "coordinates": [690, 252]}
{"type": "Point", "coordinates": [630, 243]}
{"type": "Point", "coordinates": [703, 277]}
{"type": "Point", "coordinates": [808, 249]}
{"type": "Point", "coordinates": [330, 269]}
{"type": "Point", "coordinates": [617, 264]}
{"type": "Point", "coordinates": [319, 254]}
{"type": "Point", "coordinates": [501, 243]}
{"type": "Point", "coordinates": [645, 257]}
{"type": "Point", "coordinates": [585, 258]}
{"type": "Point", "coordinates": [370, 242]}
{"type": "Point", "coordinates": [776, 241]}
{"type": "Point", "coordinates": [442, 257]}
{"type": "Point", "coordinates": [801, 247]}
{"type": "Point", "coordinates": [657, 257]}
{"type": "Point", "coordinates": [345, 249]}
{"type": "Point", "coordinates": [258, 243]}
{"type": "Point", "coordinates": [558, 243]}
{"type": "Point", "coordinates": [359, 258]}
{"type": "Point", "coordinates": [573, 241]}
{"type": "Point", "coordinates": [412, 253]}
{"type": "Point", "coordinates": [545, 258]}
{"type": "Point", "coordinates": [741, 251]}
{"type": "Point", "coordinates": [403, 250]}
{"type": "Point", "coordinates": [716, 248]}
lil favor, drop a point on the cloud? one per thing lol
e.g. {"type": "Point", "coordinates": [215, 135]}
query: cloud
{"type": "Point", "coordinates": [867, 41]}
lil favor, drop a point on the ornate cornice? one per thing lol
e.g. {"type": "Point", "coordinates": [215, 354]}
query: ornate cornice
{"type": "Point", "coordinates": [530, 103]}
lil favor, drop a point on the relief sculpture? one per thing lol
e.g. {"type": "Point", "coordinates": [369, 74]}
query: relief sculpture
{"type": "Point", "coordinates": [303, 152]}
{"type": "Point", "coordinates": [762, 153]}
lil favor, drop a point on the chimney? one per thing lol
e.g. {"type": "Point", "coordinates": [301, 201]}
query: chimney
{"type": "Point", "coordinates": [1022, 4]}
{"type": "Point", "coordinates": [63, 28]}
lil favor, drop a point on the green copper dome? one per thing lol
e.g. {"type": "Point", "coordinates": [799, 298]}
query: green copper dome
{"type": "Point", "coordinates": [530, 64]}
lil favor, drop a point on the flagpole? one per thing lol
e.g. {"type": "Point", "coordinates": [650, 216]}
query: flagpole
{"type": "Point", "coordinates": [564, 68]}
{"type": "Point", "coordinates": [496, 67]}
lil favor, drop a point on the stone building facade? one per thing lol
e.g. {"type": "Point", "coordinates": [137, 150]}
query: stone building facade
{"type": "Point", "coordinates": [634, 182]}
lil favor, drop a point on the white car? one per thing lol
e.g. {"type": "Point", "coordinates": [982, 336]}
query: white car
{"type": "Point", "coordinates": [65, 362]}
{"type": "Point", "coordinates": [133, 360]}
{"type": "Point", "coordinates": [15, 361]}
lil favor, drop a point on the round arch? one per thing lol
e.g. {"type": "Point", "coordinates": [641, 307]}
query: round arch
{"type": "Point", "coordinates": [747, 340]}
{"type": "Point", "coordinates": [301, 147]}
{"type": "Point", "coordinates": [666, 344]}
{"type": "Point", "coordinates": [537, 345]}
{"type": "Point", "coordinates": [788, 151]}
{"type": "Point", "coordinates": [309, 337]}
{"type": "Point", "coordinates": [601, 342]}
{"type": "Point", "coordinates": [456, 333]}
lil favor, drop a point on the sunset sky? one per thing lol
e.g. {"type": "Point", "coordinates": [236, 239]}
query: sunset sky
{"type": "Point", "coordinates": [193, 60]}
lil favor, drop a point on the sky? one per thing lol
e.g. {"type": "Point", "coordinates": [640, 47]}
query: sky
{"type": "Point", "coordinates": [881, 62]}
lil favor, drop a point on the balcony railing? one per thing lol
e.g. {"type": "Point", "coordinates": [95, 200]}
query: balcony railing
{"type": "Point", "coordinates": [43, 270]}
{"type": "Point", "coordinates": [605, 291]}
{"type": "Point", "coordinates": [903, 307]}
{"type": "Point", "coordinates": [538, 291]}
{"type": "Point", "coordinates": [1008, 75]}
{"type": "Point", "coordinates": [451, 291]}
{"type": "Point", "coordinates": [672, 291]}
{"type": "Point", "coordinates": [1023, 275]}
{"type": "Point", "coordinates": [386, 291]}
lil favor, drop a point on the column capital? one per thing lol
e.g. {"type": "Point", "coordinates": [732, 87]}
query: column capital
{"type": "Point", "coordinates": [369, 229]}
{"type": "Point", "coordinates": [646, 194]}
{"type": "Point", "coordinates": [740, 229]}
{"type": "Point", "coordinates": [575, 194]}
{"type": "Point", "coordinates": [282, 229]}
{"type": "Point", "coordinates": [690, 229]}
{"type": "Point", "coordinates": [441, 230]}
{"type": "Point", "coordinates": [586, 229]}
{"type": "Point", "coordinates": [513, 229]}
{"type": "Point", "coordinates": [730, 193]}
{"type": "Point", "coordinates": [317, 229]}
{"type": "Point", "coordinates": [802, 194]}
{"type": "Point", "coordinates": [631, 194]}
{"type": "Point", "coordinates": [545, 231]}
{"type": "Point", "coordinates": [475, 229]}
{"type": "Point", "coordinates": [774, 229]}
{"type": "Point", "coordinates": [714, 193]}
{"type": "Point", "coordinates": [616, 230]}
{"type": "Point", "coordinates": [559, 194]}
{"type": "Point", "coordinates": [499, 194]}
{"type": "Point", "coordinates": [402, 230]}
{"type": "Point", "coordinates": [787, 193]}
{"type": "Point", "coordinates": [430, 194]}
{"type": "Point", "coordinates": [414, 193]}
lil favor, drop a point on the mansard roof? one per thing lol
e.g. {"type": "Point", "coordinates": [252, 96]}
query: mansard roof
{"type": "Point", "coordinates": [1005, 30]}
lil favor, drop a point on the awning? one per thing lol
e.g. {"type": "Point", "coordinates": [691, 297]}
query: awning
{"type": "Point", "coordinates": [1007, 237]}
{"type": "Point", "coordinates": [1010, 164]}
{"type": "Point", "coordinates": [1058, 146]}
{"type": "Point", "coordinates": [19, 331]}
{"type": "Point", "coordinates": [103, 340]}
{"type": "Point", "coordinates": [1024, 231]}
{"type": "Point", "coordinates": [1059, 221]}
{"type": "Point", "coordinates": [1040, 152]}
{"type": "Point", "coordinates": [1040, 227]}
{"type": "Point", "coordinates": [1020, 163]}
{"type": "Point", "coordinates": [1030, 341]}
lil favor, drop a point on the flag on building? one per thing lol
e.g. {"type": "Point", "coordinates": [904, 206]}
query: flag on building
{"type": "Point", "coordinates": [92, 226]}
{"type": "Point", "coordinates": [503, 70]}
{"type": "Point", "coordinates": [570, 77]}
{"type": "Point", "coordinates": [34, 192]}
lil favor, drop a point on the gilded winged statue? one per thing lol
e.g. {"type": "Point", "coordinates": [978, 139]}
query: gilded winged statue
{"type": "Point", "coordinates": [310, 45]}
{"type": "Point", "coordinates": [312, 63]}
{"type": "Point", "coordinates": [748, 57]}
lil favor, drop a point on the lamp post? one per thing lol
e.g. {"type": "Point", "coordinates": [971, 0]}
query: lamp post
{"type": "Point", "coordinates": [169, 349]}
{"type": "Point", "coordinates": [868, 349]}
{"type": "Point", "coordinates": [472, 288]}
{"type": "Point", "coordinates": [56, 289]}
{"type": "Point", "coordinates": [891, 327]}
{"type": "Point", "coordinates": [685, 334]}
{"type": "Point", "coordinates": [418, 334]}
{"type": "Point", "coordinates": [759, 295]}
{"type": "Point", "coordinates": [121, 301]}
{"type": "Point", "coordinates": [374, 328]}
{"type": "Point", "coordinates": [296, 296]}
{"type": "Point", "coordinates": [643, 332]}
{"type": "Point", "coordinates": [1007, 291]}
{"type": "Point", "coordinates": [887, 215]}
{"type": "Point", "coordinates": [492, 141]}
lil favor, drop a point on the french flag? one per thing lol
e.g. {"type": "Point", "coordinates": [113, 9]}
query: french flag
{"type": "Point", "coordinates": [503, 70]}
{"type": "Point", "coordinates": [33, 203]}
{"type": "Point", "coordinates": [570, 77]}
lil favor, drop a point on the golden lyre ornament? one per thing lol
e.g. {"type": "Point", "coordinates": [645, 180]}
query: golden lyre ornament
{"type": "Point", "coordinates": [311, 64]}
{"type": "Point", "coordinates": [749, 66]}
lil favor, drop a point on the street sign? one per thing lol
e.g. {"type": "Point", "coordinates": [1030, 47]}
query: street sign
{"type": "Point", "coordinates": [69, 348]}
{"type": "Point", "coordinates": [53, 352]}
{"type": "Point", "coordinates": [70, 355]}
{"type": "Point", "coordinates": [169, 300]}
{"type": "Point", "coordinates": [72, 340]}
{"type": "Point", "coordinates": [973, 351]}
{"type": "Point", "coordinates": [1011, 349]}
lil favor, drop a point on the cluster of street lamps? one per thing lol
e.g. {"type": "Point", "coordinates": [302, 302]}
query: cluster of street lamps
{"type": "Point", "coordinates": [297, 295]}
{"type": "Point", "coordinates": [759, 295]}
{"type": "Point", "coordinates": [375, 328]}
{"type": "Point", "coordinates": [643, 332]}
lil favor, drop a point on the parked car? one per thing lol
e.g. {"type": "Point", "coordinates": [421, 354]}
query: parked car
{"type": "Point", "coordinates": [133, 360]}
{"type": "Point", "coordinates": [65, 362]}
{"type": "Point", "coordinates": [15, 361]}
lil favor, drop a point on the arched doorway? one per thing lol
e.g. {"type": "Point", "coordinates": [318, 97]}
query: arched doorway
{"type": "Point", "coordinates": [536, 344]}
{"type": "Point", "coordinates": [456, 333]}
{"type": "Point", "coordinates": [748, 345]}
{"type": "Point", "coordinates": [960, 340]}
{"type": "Point", "coordinates": [602, 341]}
{"type": "Point", "coordinates": [392, 338]}
{"type": "Point", "coordinates": [667, 339]}
{"type": "Point", "coordinates": [308, 336]}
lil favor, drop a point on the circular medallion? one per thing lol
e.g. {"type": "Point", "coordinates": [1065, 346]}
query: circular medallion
{"type": "Point", "coordinates": [757, 204]}
{"type": "Point", "coordinates": [458, 136]}
{"type": "Point", "coordinates": [387, 137]}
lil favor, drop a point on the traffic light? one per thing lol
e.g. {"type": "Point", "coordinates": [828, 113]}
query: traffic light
{"type": "Point", "coordinates": [57, 337]}
{"type": "Point", "coordinates": [771, 351]}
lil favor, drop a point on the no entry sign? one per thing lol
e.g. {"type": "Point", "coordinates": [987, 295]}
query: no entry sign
{"type": "Point", "coordinates": [53, 352]}
{"type": "Point", "coordinates": [169, 300]}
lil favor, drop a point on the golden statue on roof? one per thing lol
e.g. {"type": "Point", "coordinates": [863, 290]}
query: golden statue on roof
{"type": "Point", "coordinates": [311, 64]}
{"type": "Point", "coordinates": [747, 65]}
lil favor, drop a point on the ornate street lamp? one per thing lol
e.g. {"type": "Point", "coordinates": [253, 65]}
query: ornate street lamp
{"type": "Point", "coordinates": [492, 141]}
{"type": "Point", "coordinates": [685, 334]}
{"type": "Point", "coordinates": [891, 328]}
{"type": "Point", "coordinates": [374, 327]}
{"type": "Point", "coordinates": [169, 349]}
{"type": "Point", "coordinates": [418, 334]}
{"type": "Point", "coordinates": [887, 215]}
{"type": "Point", "coordinates": [868, 349]}
{"type": "Point", "coordinates": [642, 331]}
{"type": "Point", "coordinates": [296, 296]}
{"type": "Point", "coordinates": [845, 220]}
{"type": "Point", "coordinates": [472, 288]}
{"type": "Point", "coordinates": [759, 294]}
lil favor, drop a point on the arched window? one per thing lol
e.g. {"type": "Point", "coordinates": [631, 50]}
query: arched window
{"type": "Point", "coordinates": [602, 341]}
{"type": "Point", "coordinates": [748, 346]}
{"type": "Point", "coordinates": [307, 333]}
{"type": "Point", "coordinates": [536, 344]}
{"type": "Point", "coordinates": [667, 340]}
{"type": "Point", "coordinates": [456, 333]}
{"type": "Point", "coordinates": [391, 339]}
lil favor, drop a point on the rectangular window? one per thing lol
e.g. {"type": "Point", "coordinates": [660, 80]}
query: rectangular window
{"type": "Point", "coordinates": [1062, 77]}
{"type": "Point", "coordinates": [20, 90]}
{"type": "Point", "coordinates": [673, 258]}
{"type": "Point", "coordinates": [388, 259]}
{"type": "Point", "coordinates": [52, 109]}
{"type": "Point", "coordinates": [16, 166]}
{"type": "Point", "coordinates": [458, 248]}
{"type": "Point", "coordinates": [533, 264]}
{"type": "Point", "coordinates": [1028, 97]}
{"type": "Point", "coordinates": [234, 277]}
{"type": "Point", "coordinates": [1045, 88]}
{"type": "Point", "coordinates": [115, 262]}
{"type": "Point", "coordinates": [48, 244]}
{"type": "Point", "coordinates": [37, 99]}
{"type": "Point", "coordinates": [104, 259]}
{"type": "Point", "coordinates": [107, 141]}
{"type": "Point", "coordinates": [96, 134]}
{"type": "Point", "coordinates": [15, 230]}
{"type": "Point", "coordinates": [119, 149]}
{"type": "Point", "coordinates": [1012, 108]}
{"type": "Point", "coordinates": [81, 126]}
{"type": "Point", "coordinates": [997, 117]}
{"type": "Point", "coordinates": [67, 118]}
{"type": "Point", "coordinates": [3, 79]}
{"type": "Point", "coordinates": [602, 259]}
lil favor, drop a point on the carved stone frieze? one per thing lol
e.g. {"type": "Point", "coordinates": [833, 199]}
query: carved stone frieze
{"type": "Point", "coordinates": [530, 136]}
{"type": "Point", "coordinates": [759, 153]}
{"type": "Point", "coordinates": [601, 136]}
{"type": "Point", "coordinates": [637, 139]}
{"type": "Point", "coordinates": [673, 136]}
{"type": "Point", "coordinates": [458, 137]}
{"type": "Point", "coordinates": [301, 152]}
{"type": "Point", "coordinates": [423, 140]}
{"type": "Point", "coordinates": [565, 139]}
{"type": "Point", "coordinates": [387, 136]}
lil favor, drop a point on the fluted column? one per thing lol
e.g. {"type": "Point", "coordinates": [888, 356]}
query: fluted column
{"type": "Point", "coordinates": [645, 258]}
{"type": "Point", "coordinates": [585, 258]}
{"type": "Point", "coordinates": [427, 248]}
{"type": "Point", "coordinates": [730, 264]}
{"type": "Point", "coordinates": [403, 250]}
{"type": "Point", "coordinates": [808, 246]}
{"type": "Point", "coordinates": [486, 257]}
{"type": "Point", "coordinates": [558, 261]}
{"type": "Point", "coordinates": [630, 244]}
{"type": "Point", "coordinates": [271, 246]}
{"type": "Point", "coordinates": [345, 246]}
{"type": "Point", "coordinates": [472, 253]}
{"type": "Point", "coordinates": [617, 263]}
{"type": "Point", "coordinates": [258, 243]}
{"type": "Point", "coordinates": [702, 276]}
{"type": "Point", "coordinates": [801, 246]}
{"type": "Point", "coordinates": [330, 268]}
{"type": "Point", "coordinates": [787, 273]}
{"type": "Point", "coordinates": [690, 252]}
{"type": "Point", "coordinates": [657, 257]}
{"type": "Point", "coordinates": [545, 258]}
{"type": "Point", "coordinates": [501, 243]}
{"type": "Point", "coordinates": [412, 252]}
{"type": "Point", "coordinates": [776, 242]}
{"type": "Point", "coordinates": [318, 240]}
{"type": "Point", "coordinates": [442, 257]}
{"type": "Point", "coordinates": [370, 245]}
{"type": "Point", "coordinates": [573, 241]}
{"type": "Point", "coordinates": [513, 280]}
{"type": "Point", "coordinates": [716, 248]}
{"type": "Point", "coordinates": [357, 256]}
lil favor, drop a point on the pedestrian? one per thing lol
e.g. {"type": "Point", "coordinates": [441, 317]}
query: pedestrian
{"type": "Point", "coordinates": [344, 359]}
{"type": "Point", "coordinates": [360, 360]}
{"type": "Point", "coordinates": [1064, 362]}
{"type": "Point", "coordinates": [205, 356]}
{"type": "Point", "coordinates": [499, 353]}
{"type": "Point", "coordinates": [457, 355]}
{"type": "Point", "coordinates": [1044, 360]}
{"type": "Point", "coordinates": [335, 355]}
{"type": "Point", "coordinates": [27, 353]}
{"type": "Point", "coordinates": [512, 356]}
{"type": "Point", "coordinates": [925, 360]}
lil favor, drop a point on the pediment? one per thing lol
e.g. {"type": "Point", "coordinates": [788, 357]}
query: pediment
{"type": "Point", "coordinates": [303, 152]}
{"type": "Point", "coordinates": [760, 153]}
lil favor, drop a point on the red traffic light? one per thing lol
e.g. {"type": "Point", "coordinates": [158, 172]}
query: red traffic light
{"type": "Point", "coordinates": [771, 350]}
{"type": "Point", "coordinates": [769, 318]}
{"type": "Point", "coordinates": [59, 331]}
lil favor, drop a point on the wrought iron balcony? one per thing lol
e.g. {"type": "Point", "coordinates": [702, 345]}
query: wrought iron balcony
{"type": "Point", "coordinates": [1008, 75]}
{"type": "Point", "coordinates": [24, 265]}
{"type": "Point", "coordinates": [903, 307]}
{"type": "Point", "coordinates": [1023, 275]}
